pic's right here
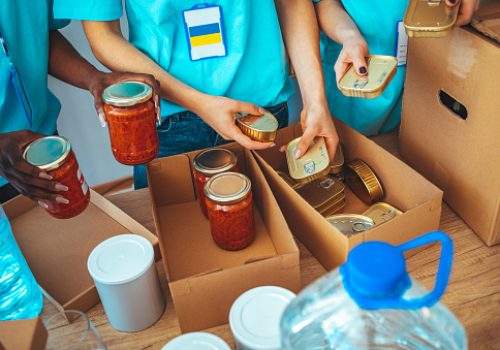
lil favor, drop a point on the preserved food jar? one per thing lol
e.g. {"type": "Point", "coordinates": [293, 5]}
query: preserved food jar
{"type": "Point", "coordinates": [53, 154]}
{"type": "Point", "coordinates": [230, 210]}
{"type": "Point", "coordinates": [208, 163]}
{"type": "Point", "coordinates": [131, 116]}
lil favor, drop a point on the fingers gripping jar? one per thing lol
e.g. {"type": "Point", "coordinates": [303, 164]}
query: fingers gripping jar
{"type": "Point", "coordinates": [230, 210]}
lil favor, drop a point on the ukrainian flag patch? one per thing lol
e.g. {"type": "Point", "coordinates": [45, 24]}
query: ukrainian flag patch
{"type": "Point", "coordinates": [204, 32]}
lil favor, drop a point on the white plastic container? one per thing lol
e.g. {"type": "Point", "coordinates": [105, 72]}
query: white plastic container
{"type": "Point", "coordinates": [124, 273]}
{"type": "Point", "coordinates": [255, 317]}
{"type": "Point", "coordinates": [196, 341]}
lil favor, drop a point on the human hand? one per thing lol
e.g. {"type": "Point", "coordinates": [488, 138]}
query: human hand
{"type": "Point", "coordinates": [467, 9]}
{"type": "Point", "coordinates": [220, 113]}
{"type": "Point", "coordinates": [354, 51]}
{"type": "Point", "coordinates": [29, 180]}
{"type": "Point", "coordinates": [101, 81]}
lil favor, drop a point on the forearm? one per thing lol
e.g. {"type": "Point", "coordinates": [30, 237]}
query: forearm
{"type": "Point", "coordinates": [335, 22]}
{"type": "Point", "coordinates": [66, 64]}
{"type": "Point", "coordinates": [115, 52]}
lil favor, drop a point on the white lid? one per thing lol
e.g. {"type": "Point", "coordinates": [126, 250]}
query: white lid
{"type": "Point", "coordinates": [197, 341]}
{"type": "Point", "coordinates": [120, 259]}
{"type": "Point", "coordinates": [255, 317]}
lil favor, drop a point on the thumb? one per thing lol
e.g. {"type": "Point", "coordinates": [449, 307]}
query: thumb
{"type": "Point", "coordinates": [304, 143]}
{"type": "Point", "coordinates": [244, 107]}
{"type": "Point", "coordinates": [359, 63]}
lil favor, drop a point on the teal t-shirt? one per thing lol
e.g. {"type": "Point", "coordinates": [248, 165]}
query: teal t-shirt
{"type": "Point", "coordinates": [24, 25]}
{"type": "Point", "coordinates": [378, 23]}
{"type": "Point", "coordinates": [254, 68]}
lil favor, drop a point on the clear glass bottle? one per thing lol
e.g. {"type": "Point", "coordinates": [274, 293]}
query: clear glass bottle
{"type": "Point", "coordinates": [370, 302]}
{"type": "Point", "coordinates": [20, 295]}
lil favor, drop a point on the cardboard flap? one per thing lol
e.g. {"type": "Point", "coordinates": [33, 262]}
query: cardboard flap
{"type": "Point", "coordinates": [487, 19]}
{"type": "Point", "coordinates": [29, 334]}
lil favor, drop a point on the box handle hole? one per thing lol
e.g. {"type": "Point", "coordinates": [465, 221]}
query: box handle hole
{"type": "Point", "coordinates": [453, 105]}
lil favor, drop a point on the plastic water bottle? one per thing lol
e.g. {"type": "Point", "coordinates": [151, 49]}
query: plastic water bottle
{"type": "Point", "coordinates": [20, 295]}
{"type": "Point", "coordinates": [370, 302]}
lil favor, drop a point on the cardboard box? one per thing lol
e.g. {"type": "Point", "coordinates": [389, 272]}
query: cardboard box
{"type": "Point", "coordinates": [57, 250]}
{"type": "Point", "coordinates": [205, 280]}
{"type": "Point", "coordinates": [29, 334]}
{"type": "Point", "coordinates": [451, 127]}
{"type": "Point", "coordinates": [405, 189]}
{"type": "Point", "coordinates": [487, 19]}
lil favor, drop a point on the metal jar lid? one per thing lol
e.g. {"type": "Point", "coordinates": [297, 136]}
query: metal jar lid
{"type": "Point", "coordinates": [351, 224]}
{"type": "Point", "coordinates": [258, 127]}
{"type": "Point", "coordinates": [363, 182]}
{"type": "Point", "coordinates": [227, 187]}
{"type": "Point", "coordinates": [312, 165]}
{"type": "Point", "coordinates": [127, 93]}
{"type": "Point", "coordinates": [47, 153]}
{"type": "Point", "coordinates": [214, 161]}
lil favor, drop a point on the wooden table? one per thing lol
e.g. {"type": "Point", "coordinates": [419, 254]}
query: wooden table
{"type": "Point", "coordinates": [473, 293]}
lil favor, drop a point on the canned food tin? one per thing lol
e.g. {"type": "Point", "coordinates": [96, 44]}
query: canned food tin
{"type": "Point", "coordinates": [338, 161]}
{"type": "Point", "coordinates": [334, 208]}
{"type": "Point", "coordinates": [322, 193]}
{"type": "Point", "coordinates": [382, 212]}
{"type": "Point", "coordinates": [351, 224]}
{"type": "Point", "coordinates": [363, 182]}
{"type": "Point", "coordinates": [258, 127]}
{"type": "Point", "coordinates": [291, 182]}
{"type": "Point", "coordinates": [381, 70]}
{"type": "Point", "coordinates": [431, 18]}
{"type": "Point", "coordinates": [312, 165]}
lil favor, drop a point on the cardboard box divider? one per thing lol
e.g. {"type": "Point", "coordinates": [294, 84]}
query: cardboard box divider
{"type": "Point", "coordinates": [404, 188]}
{"type": "Point", "coordinates": [205, 280]}
{"type": "Point", "coordinates": [57, 250]}
{"type": "Point", "coordinates": [27, 334]}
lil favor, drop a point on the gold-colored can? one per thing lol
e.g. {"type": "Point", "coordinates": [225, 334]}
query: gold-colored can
{"type": "Point", "coordinates": [363, 182]}
{"type": "Point", "coordinates": [335, 208]}
{"type": "Point", "coordinates": [291, 182]}
{"type": "Point", "coordinates": [351, 224]}
{"type": "Point", "coordinates": [338, 161]}
{"type": "Point", "coordinates": [381, 70]}
{"type": "Point", "coordinates": [322, 193]}
{"type": "Point", "coordinates": [260, 128]}
{"type": "Point", "coordinates": [431, 18]}
{"type": "Point", "coordinates": [382, 212]}
{"type": "Point", "coordinates": [312, 165]}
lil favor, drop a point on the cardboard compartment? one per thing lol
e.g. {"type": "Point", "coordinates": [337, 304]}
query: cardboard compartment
{"type": "Point", "coordinates": [29, 334]}
{"type": "Point", "coordinates": [57, 250]}
{"type": "Point", "coordinates": [205, 280]}
{"type": "Point", "coordinates": [450, 127]}
{"type": "Point", "coordinates": [405, 189]}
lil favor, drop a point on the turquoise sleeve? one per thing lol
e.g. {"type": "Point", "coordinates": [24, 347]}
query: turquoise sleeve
{"type": "Point", "coordinates": [90, 10]}
{"type": "Point", "coordinates": [54, 23]}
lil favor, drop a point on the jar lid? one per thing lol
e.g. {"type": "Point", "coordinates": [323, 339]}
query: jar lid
{"type": "Point", "coordinates": [47, 153]}
{"type": "Point", "coordinates": [228, 187]}
{"type": "Point", "coordinates": [127, 93]}
{"type": "Point", "coordinates": [350, 224]}
{"type": "Point", "coordinates": [196, 341]}
{"type": "Point", "coordinates": [255, 317]}
{"type": "Point", "coordinates": [214, 161]}
{"type": "Point", "coordinates": [258, 127]}
{"type": "Point", "coordinates": [120, 259]}
{"type": "Point", "coordinates": [312, 165]}
{"type": "Point", "coordinates": [363, 181]}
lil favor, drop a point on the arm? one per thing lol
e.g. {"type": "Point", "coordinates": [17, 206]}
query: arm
{"type": "Point", "coordinates": [467, 9]}
{"type": "Point", "coordinates": [338, 25]}
{"type": "Point", "coordinates": [301, 34]}
{"type": "Point", "coordinates": [115, 52]}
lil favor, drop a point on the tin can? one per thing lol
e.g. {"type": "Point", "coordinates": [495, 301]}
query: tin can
{"type": "Point", "coordinates": [290, 182]}
{"type": "Point", "coordinates": [338, 161]}
{"type": "Point", "coordinates": [363, 182]}
{"type": "Point", "coordinates": [208, 163]}
{"type": "Point", "coordinates": [312, 165]}
{"type": "Point", "coordinates": [322, 193]}
{"type": "Point", "coordinates": [382, 212]}
{"type": "Point", "coordinates": [260, 128]}
{"type": "Point", "coordinates": [381, 70]}
{"type": "Point", "coordinates": [334, 208]}
{"type": "Point", "coordinates": [131, 116]}
{"type": "Point", "coordinates": [431, 18]}
{"type": "Point", "coordinates": [53, 154]}
{"type": "Point", "coordinates": [351, 224]}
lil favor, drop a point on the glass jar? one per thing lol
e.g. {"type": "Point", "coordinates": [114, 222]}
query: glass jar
{"type": "Point", "coordinates": [53, 155]}
{"type": "Point", "coordinates": [230, 210]}
{"type": "Point", "coordinates": [131, 116]}
{"type": "Point", "coordinates": [208, 163]}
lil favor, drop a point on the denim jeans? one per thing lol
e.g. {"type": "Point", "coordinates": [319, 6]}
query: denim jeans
{"type": "Point", "coordinates": [185, 132]}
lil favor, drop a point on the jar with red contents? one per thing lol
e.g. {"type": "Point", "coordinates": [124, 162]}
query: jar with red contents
{"type": "Point", "coordinates": [208, 163]}
{"type": "Point", "coordinates": [230, 210]}
{"type": "Point", "coordinates": [131, 116]}
{"type": "Point", "coordinates": [53, 155]}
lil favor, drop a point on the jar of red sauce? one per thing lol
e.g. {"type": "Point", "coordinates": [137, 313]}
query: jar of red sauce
{"type": "Point", "coordinates": [53, 155]}
{"type": "Point", "coordinates": [230, 210]}
{"type": "Point", "coordinates": [131, 116]}
{"type": "Point", "coordinates": [208, 163]}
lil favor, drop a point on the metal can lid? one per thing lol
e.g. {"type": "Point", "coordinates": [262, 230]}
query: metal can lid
{"type": "Point", "coordinates": [127, 93]}
{"type": "Point", "coordinates": [350, 224]}
{"type": "Point", "coordinates": [214, 161]}
{"type": "Point", "coordinates": [314, 164]}
{"type": "Point", "coordinates": [322, 192]}
{"type": "Point", "coordinates": [264, 123]}
{"type": "Point", "coordinates": [196, 341]}
{"type": "Point", "coordinates": [227, 187]}
{"type": "Point", "coordinates": [363, 181]}
{"type": "Point", "coordinates": [47, 153]}
{"type": "Point", "coordinates": [382, 212]}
